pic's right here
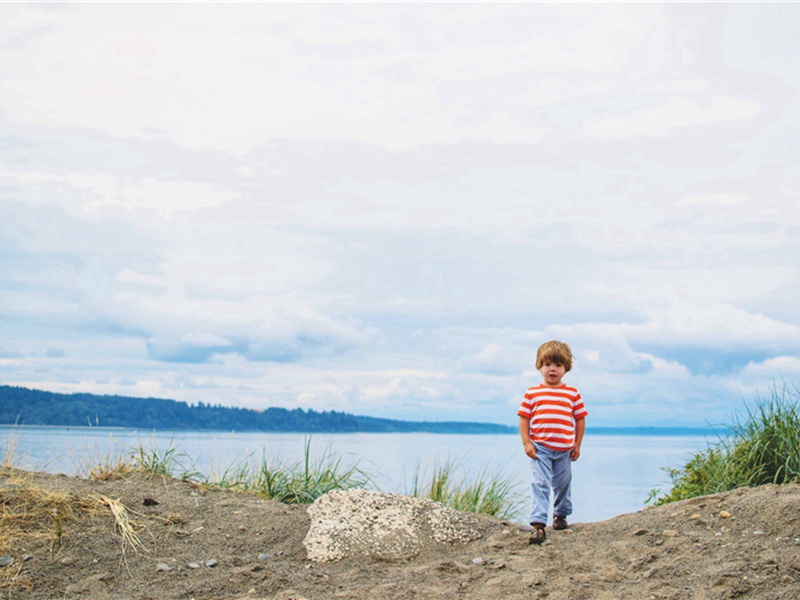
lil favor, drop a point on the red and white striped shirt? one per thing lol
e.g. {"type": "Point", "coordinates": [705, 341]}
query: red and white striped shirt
{"type": "Point", "coordinates": [552, 412]}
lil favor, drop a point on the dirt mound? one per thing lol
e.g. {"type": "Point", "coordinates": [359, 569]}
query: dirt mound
{"type": "Point", "coordinates": [62, 537]}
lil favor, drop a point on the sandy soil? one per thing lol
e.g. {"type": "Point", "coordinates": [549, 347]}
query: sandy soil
{"type": "Point", "coordinates": [209, 544]}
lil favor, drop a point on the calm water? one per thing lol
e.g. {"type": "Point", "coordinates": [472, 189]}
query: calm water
{"type": "Point", "coordinates": [613, 476]}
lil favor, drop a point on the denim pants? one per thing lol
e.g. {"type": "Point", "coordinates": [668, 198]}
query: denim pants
{"type": "Point", "coordinates": [551, 469]}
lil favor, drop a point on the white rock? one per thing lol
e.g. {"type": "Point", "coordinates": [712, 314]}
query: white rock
{"type": "Point", "coordinates": [382, 526]}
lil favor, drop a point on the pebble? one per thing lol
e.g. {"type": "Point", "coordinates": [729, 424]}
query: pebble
{"type": "Point", "coordinates": [6, 560]}
{"type": "Point", "coordinates": [211, 563]}
{"type": "Point", "coordinates": [163, 567]}
{"type": "Point", "coordinates": [193, 566]}
{"type": "Point", "coordinates": [478, 561]}
{"type": "Point", "coordinates": [695, 516]}
{"type": "Point", "coordinates": [669, 533]}
{"type": "Point", "coordinates": [640, 532]}
{"type": "Point", "coordinates": [724, 514]}
{"type": "Point", "coordinates": [759, 532]}
{"type": "Point", "coordinates": [67, 561]}
{"type": "Point", "coordinates": [262, 556]}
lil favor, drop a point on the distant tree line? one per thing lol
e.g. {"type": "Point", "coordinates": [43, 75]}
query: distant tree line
{"type": "Point", "coordinates": [23, 406]}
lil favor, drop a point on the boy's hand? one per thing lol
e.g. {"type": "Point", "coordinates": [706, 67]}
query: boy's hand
{"type": "Point", "coordinates": [575, 453]}
{"type": "Point", "coordinates": [530, 449]}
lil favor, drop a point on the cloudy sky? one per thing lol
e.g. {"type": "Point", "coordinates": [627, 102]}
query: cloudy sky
{"type": "Point", "coordinates": [385, 208]}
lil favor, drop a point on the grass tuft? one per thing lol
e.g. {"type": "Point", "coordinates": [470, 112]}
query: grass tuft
{"type": "Point", "coordinates": [305, 481]}
{"type": "Point", "coordinates": [487, 493]}
{"type": "Point", "coordinates": [124, 525]}
{"type": "Point", "coordinates": [763, 446]}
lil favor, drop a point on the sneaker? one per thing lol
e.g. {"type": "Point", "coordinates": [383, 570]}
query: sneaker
{"type": "Point", "coordinates": [538, 534]}
{"type": "Point", "coordinates": [559, 523]}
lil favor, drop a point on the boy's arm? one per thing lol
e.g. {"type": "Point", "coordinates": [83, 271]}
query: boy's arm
{"type": "Point", "coordinates": [580, 429]}
{"type": "Point", "coordinates": [525, 434]}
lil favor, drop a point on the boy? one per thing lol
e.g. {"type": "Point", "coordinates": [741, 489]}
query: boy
{"type": "Point", "coordinates": [552, 420]}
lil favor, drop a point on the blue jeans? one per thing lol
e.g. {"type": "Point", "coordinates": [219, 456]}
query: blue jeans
{"type": "Point", "coordinates": [551, 469]}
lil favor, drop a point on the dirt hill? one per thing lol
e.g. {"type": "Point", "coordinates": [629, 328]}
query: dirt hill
{"type": "Point", "coordinates": [65, 537]}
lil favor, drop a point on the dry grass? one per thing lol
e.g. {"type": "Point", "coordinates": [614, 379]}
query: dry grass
{"type": "Point", "coordinates": [110, 469]}
{"type": "Point", "coordinates": [9, 448]}
{"type": "Point", "coordinates": [126, 527]}
{"type": "Point", "coordinates": [30, 512]}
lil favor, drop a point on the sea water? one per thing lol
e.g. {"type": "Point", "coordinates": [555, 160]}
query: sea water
{"type": "Point", "coordinates": [614, 475]}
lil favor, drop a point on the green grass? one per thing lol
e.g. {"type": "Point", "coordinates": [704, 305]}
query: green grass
{"type": "Point", "coordinates": [487, 493]}
{"type": "Point", "coordinates": [763, 446]}
{"type": "Point", "coordinates": [305, 481]}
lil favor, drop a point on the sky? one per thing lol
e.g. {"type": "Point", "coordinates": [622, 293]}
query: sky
{"type": "Point", "coordinates": [384, 209]}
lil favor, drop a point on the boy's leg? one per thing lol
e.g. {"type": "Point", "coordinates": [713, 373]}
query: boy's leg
{"type": "Point", "coordinates": [541, 471]}
{"type": "Point", "coordinates": [562, 485]}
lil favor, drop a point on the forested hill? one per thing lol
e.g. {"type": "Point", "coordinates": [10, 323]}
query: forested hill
{"type": "Point", "coordinates": [23, 406]}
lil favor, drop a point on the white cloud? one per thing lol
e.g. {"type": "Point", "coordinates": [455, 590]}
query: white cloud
{"type": "Point", "coordinates": [682, 111]}
{"type": "Point", "coordinates": [385, 207]}
{"type": "Point", "coordinates": [101, 194]}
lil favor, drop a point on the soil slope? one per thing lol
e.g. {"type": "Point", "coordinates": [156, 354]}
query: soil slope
{"type": "Point", "coordinates": [62, 541]}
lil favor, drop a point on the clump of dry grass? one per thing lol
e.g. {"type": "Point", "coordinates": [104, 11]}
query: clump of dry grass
{"type": "Point", "coordinates": [34, 513]}
{"type": "Point", "coordinates": [126, 527]}
{"type": "Point", "coordinates": [30, 512]}
{"type": "Point", "coordinates": [110, 469]}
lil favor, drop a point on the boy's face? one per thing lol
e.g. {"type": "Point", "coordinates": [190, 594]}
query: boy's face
{"type": "Point", "coordinates": [552, 372]}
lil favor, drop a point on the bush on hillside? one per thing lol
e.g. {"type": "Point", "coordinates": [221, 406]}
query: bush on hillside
{"type": "Point", "coordinates": [763, 446]}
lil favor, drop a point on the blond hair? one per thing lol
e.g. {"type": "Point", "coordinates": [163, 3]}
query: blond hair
{"type": "Point", "coordinates": [554, 351]}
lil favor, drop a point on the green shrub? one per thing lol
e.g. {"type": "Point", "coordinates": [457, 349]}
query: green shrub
{"type": "Point", "coordinates": [763, 446]}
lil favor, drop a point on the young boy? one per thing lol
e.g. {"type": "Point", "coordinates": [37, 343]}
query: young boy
{"type": "Point", "coordinates": [551, 424]}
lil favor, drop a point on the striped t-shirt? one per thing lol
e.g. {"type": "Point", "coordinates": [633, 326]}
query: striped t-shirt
{"type": "Point", "coordinates": [552, 412]}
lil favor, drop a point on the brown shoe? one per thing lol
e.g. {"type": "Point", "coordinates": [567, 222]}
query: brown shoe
{"type": "Point", "coordinates": [537, 534]}
{"type": "Point", "coordinates": [559, 523]}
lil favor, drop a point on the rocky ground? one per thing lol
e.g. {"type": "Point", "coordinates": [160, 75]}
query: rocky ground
{"type": "Point", "coordinates": [60, 538]}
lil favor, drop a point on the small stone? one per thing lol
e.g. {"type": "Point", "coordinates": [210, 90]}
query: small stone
{"type": "Point", "coordinates": [262, 556]}
{"type": "Point", "coordinates": [759, 532]}
{"type": "Point", "coordinates": [6, 560]}
{"type": "Point", "coordinates": [193, 566]}
{"type": "Point", "coordinates": [724, 514]}
{"type": "Point", "coordinates": [695, 516]}
{"type": "Point", "coordinates": [163, 567]}
{"type": "Point", "coordinates": [197, 529]}
{"type": "Point", "coordinates": [27, 557]}
{"type": "Point", "coordinates": [478, 561]}
{"type": "Point", "coordinates": [211, 563]}
{"type": "Point", "coordinates": [251, 592]}
{"type": "Point", "coordinates": [150, 502]}
{"type": "Point", "coordinates": [67, 561]}
{"type": "Point", "coordinates": [640, 532]}
{"type": "Point", "coordinates": [669, 533]}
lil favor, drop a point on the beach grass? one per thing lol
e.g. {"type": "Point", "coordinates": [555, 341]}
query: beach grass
{"type": "Point", "coordinates": [487, 493]}
{"type": "Point", "coordinates": [761, 446]}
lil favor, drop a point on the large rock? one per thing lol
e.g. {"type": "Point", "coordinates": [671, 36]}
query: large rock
{"type": "Point", "coordinates": [360, 523]}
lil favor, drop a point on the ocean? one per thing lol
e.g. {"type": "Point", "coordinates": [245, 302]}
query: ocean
{"type": "Point", "coordinates": [615, 474]}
